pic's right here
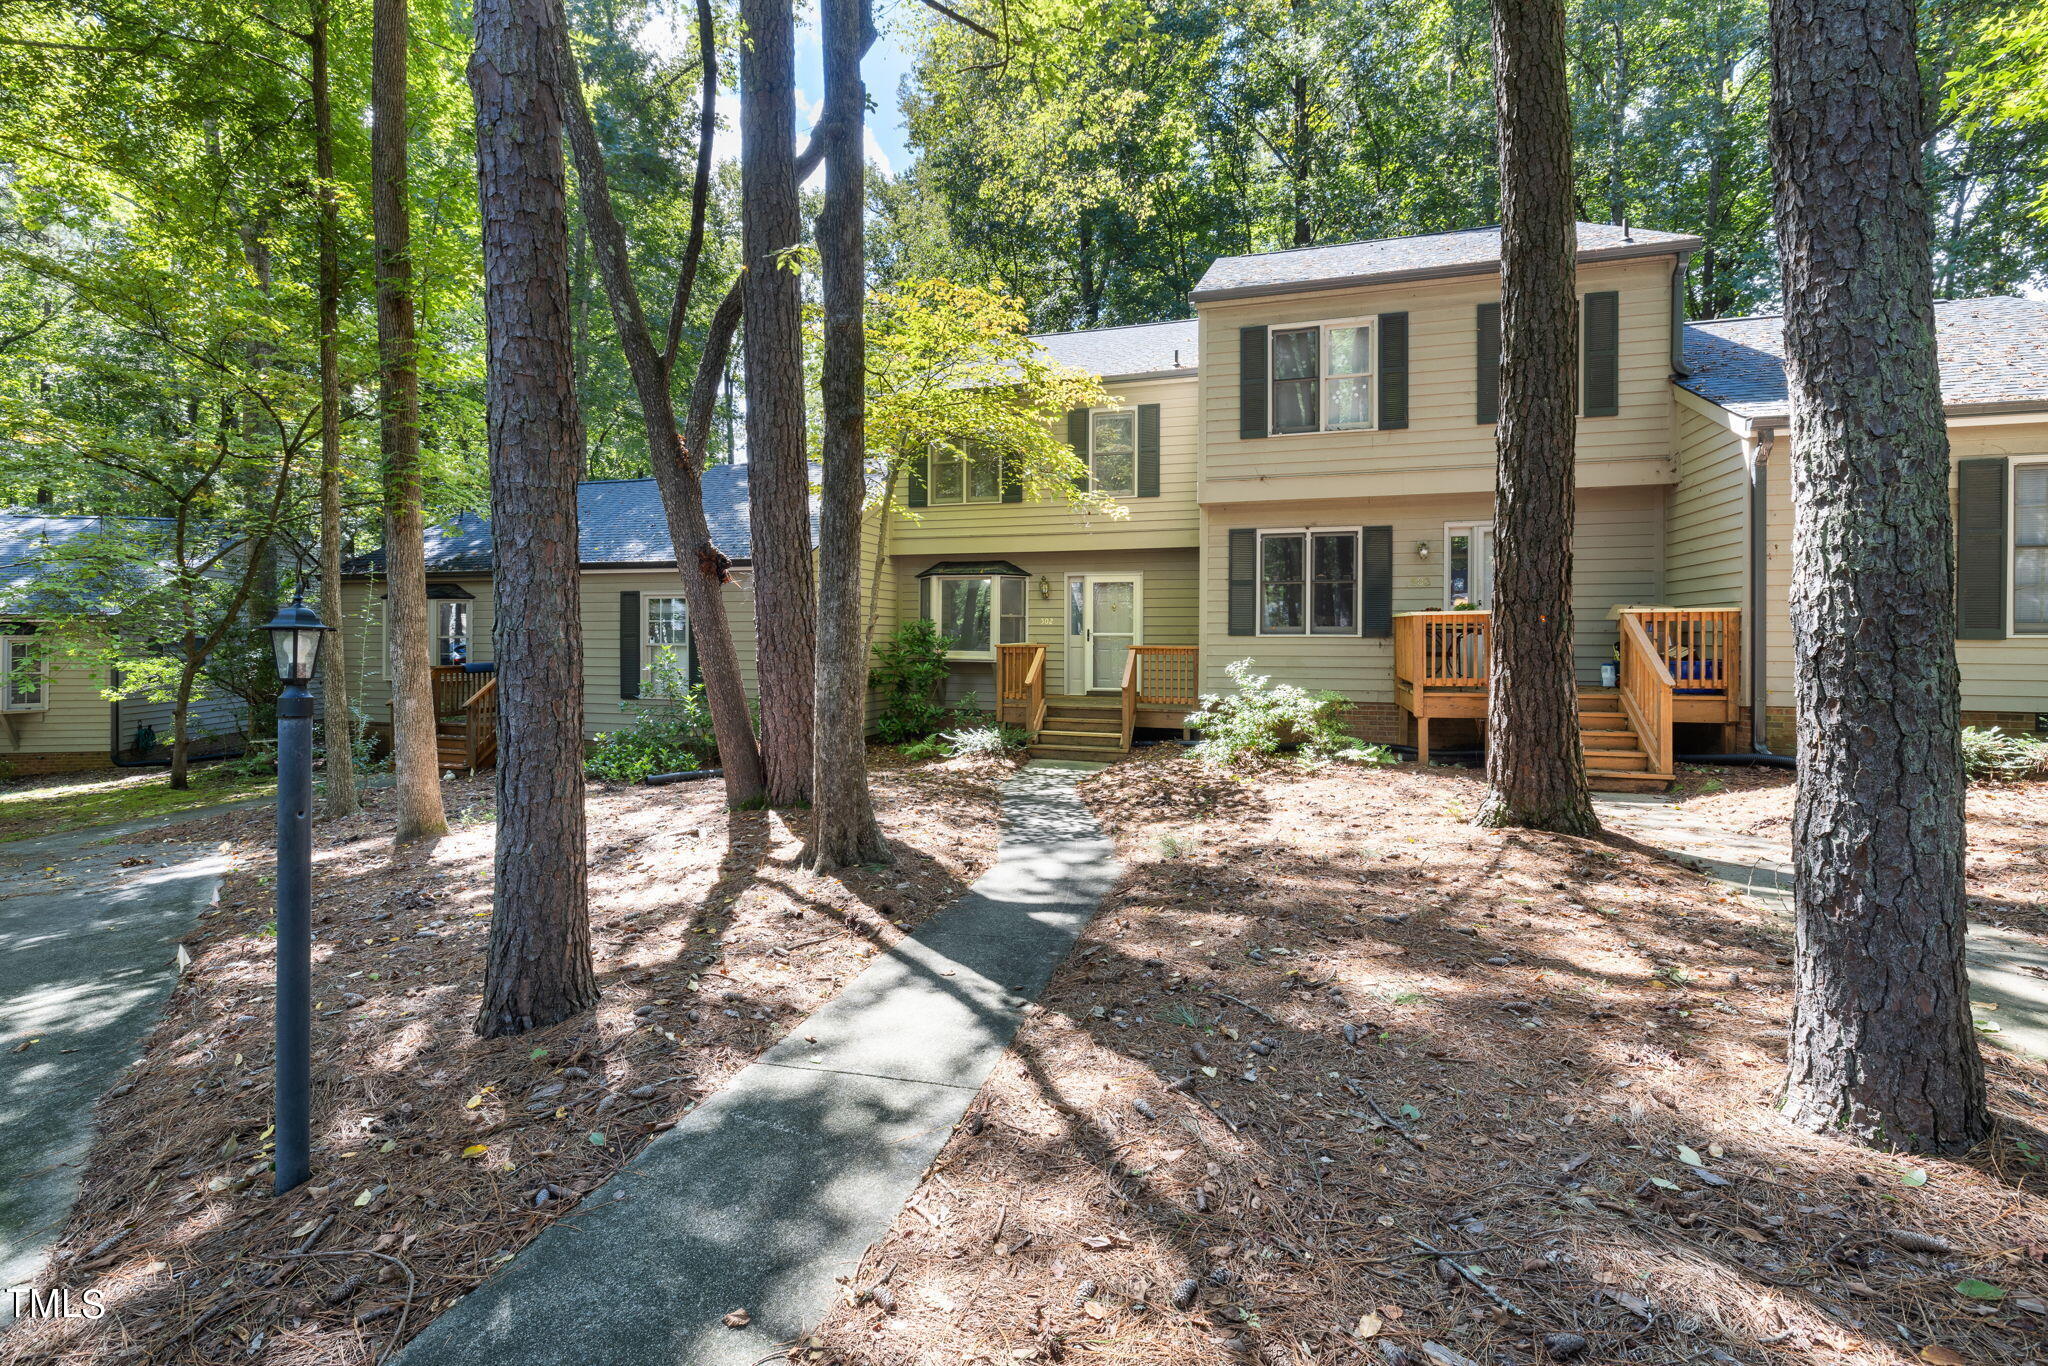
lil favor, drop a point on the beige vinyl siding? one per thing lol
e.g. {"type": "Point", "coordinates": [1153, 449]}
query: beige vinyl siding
{"type": "Point", "coordinates": [1167, 605]}
{"type": "Point", "coordinates": [603, 708]}
{"type": "Point", "coordinates": [1053, 524]}
{"type": "Point", "coordinates": [76, 721]}
{"type": "Point", "coordinates": [1707, 527]}
{"type": "Point", "coordinates": [1443, 449]}
{"type": "Point", "coordinates": [2008, 675]}
{"type": "Point", "coordinates": [1618, 545]}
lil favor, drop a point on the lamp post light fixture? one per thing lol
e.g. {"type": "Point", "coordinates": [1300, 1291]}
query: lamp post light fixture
{"type": "Point", "coordinates": [295, 635]}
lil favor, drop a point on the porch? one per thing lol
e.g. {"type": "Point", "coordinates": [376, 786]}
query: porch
{"type": "Point", "coordinates": [1677, 666]}
{"type": "Point", "coordinates": [465, 717]}
{"type": "Point", "coordinates": [1158, 689]}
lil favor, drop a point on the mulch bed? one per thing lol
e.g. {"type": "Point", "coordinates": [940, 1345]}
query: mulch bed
{"type": "Point", "coordinates": [1336, 1077]}
{"type": "Point", "coordinates": [2007, 865]}
{"type": "Point", "coordinates": [438, 1154]}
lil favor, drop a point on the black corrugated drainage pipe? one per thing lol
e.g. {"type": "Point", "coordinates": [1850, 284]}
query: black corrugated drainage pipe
{"type": "Point", "coordinates": [1763, 759]}
{"type": "Point", "coordinates": [688, 775]}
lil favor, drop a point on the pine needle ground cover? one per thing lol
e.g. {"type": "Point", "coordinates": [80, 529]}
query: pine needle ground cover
{"type": "Point", "coordinates": [1337, 1078]}
{"type": "Point", "coordinates": [438, 1155]}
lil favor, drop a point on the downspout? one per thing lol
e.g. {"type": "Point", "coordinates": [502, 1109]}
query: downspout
{"type": "Point", "coordinates": [1759, 558]}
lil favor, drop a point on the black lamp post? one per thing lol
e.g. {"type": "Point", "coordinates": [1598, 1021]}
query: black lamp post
{"type": "Point", "coordinates": [295, 634]}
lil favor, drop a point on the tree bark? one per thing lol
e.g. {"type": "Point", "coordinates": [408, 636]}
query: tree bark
{"type": "Point", "coordinates": [538, 969]}
{"type": "Point", "coordinates": [337, 717]}
{"type": "Point", "coordinates": [1535, 772]}
{"type": "Point", "coordinates": [1882, 1046]}
{"type": "Point", "coordinates": [415, 758]}
{"type": "Point", "coordinates": [676, 474]}
{"type": "Point", "coordinates": [778, 479]}
{"type": "Point", "coordinates": [843, 828]}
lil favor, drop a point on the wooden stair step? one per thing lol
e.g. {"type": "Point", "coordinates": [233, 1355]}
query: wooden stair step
{"type": "Point", "coordinates": [1616, 761]}
{"type": "Point", "coordinates": [1087, 725]}
{"type": "Point", "coordinates": [1085, 753]}
{"type": "Point", "coordinates": [1112, 738]}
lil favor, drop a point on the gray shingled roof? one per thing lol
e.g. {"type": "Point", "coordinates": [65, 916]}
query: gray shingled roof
{"type": "Point", "coordinates": [1136, 349]}
{"type": "Point", "coordinates": [1993, 351]}
{"type": "Point", "coordinates": [26, 539]}
{"type": "Point", "coordinates": [619, 522]}
{"type": "Point", "coordinates": [1469, 251]}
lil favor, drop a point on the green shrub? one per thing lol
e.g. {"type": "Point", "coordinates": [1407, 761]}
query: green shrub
{"type": "Point", "coordinates": [1991, 755]}
{"type": "Point", "coordinates": [992, 742]}
{"type": "Point", "coordinates": [671, 732]}
{"type": "Point", "coordinates": [931, 747]}
{"type": "Point", "coordinates": [908, 679]}
{"type": "Point", "coordinates": [1261, 716]}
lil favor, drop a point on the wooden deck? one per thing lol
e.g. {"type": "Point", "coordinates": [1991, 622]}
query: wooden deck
{"type": "Point", "coordinates": [465, 719]}
{"type": "Point", "coordinates": [1158, 690]}
{"type": "Point", "coordinates": [1678, 666]}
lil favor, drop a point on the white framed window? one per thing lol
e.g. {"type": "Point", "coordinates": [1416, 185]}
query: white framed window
{"type": "Point", "coordinates": [976, 614]}
{"type": "Point", "coordinates": [2030, 548]}
{"type": "Point", "coordinates": [451, 632]}
{"type": "Point", "coordinates": [1322, 377]}
{"type": "Point", "coordinates": [24, 674]}
{"type": "Point", "coordinates": [1113, 451]}
{"type": "Point", "coordinates": [1308, 582]}
{"type": "Point", "coordinates": [664, 644]}
{"type": "Point", "coordinates": [962, 474]}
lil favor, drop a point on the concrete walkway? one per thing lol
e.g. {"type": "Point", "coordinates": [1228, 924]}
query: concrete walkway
{"type": "Point", "coordinates": [87, 955]}
{"type": "Point", "coordinates": [780, 1181]}
{"type": "Point", "coordinates": [2008, 971]}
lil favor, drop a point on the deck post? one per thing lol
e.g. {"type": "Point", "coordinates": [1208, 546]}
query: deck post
{"type": "Point", "coordinates": [1422, 739]}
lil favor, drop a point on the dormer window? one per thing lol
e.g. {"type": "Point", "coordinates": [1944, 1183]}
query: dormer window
{"type": "Point", "coordinates": [1322, 377]}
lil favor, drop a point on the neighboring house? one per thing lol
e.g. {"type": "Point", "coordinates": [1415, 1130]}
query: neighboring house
{"type": "Point", "coordinates": [1313, 490]}
{"type": "Point", "coordinates": [54, 714]}
{"type": "Point", "coordinates": [633, 615]}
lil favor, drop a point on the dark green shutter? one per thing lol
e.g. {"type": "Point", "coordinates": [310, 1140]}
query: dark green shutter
{"type": "Point", "coordinates": [924, 599]}
{"type": "Point", "coordinates": [1148, 450]}
{"type": "Point", "coordinates": [919, 496]}
{"type": "Point", "coordinates": [1980, 549]}
{"type": "Point", "coordinates": [1376, 581]}
{"type": "Point", "coordinates": [1251, 382]}
{"type": "Point", "coordinates": [1488, 334]}
{"type": "Point", "coordinates": [1012, 477]}
{"type": "Point", "coordinates": [695, 674]}
{"type": "Point", "coordinates": [1077, 437]}
{"type": "Point", "coordinates": [629, 644]}
{"type": "Point", "coordinates": [1244, 581]}
{"type": "Point", "coordinates": [1602, 354]}
{"type": "Point", "coordinates": [1393, 371]}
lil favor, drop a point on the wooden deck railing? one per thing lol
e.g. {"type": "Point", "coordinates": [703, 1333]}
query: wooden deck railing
{"type": "Point", "coordinates": [480, 723]}
{"type": "Point", "coordinates": [453, 685]}
{"type": "Point", "coordinates": [1701, 646]}
{"type": "Point", "coordinates": [1646, 691]}
{"type": "Point", "coordinates": [1020, 685]}
{"type": "Point", "coordinates": [1159, 676]}
{"type": "Point", "coordinates": [1443, 649]}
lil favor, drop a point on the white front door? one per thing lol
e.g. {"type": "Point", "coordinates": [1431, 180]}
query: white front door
{"type": "Point", "coordinates": [1105, 617]}
{"type": "Point", "coordinates": [1468, 564]}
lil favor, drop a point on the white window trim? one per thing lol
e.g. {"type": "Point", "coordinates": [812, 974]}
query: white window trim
{"type": "Point", "coordinates": [8, 645]}
{"type": "Point", "coordinates": [1475, 526]}
{"type": "Point", "coordinates": [1308, 582]}
{"type": "Point", "coordinates": [966, 484]}
{"type": "Point", "coordinates": [1372, 325]}
{"type": "Point", "coordinates": [442, 607]}
{"type": "Point", "coordinates": [995, 614]}
{"type": "Point", "coordinates": [647, 646]}
{"type": "Point", "coordinates": [2014, 464]}
{"type": "Point", "coordinates": [1094, 484]}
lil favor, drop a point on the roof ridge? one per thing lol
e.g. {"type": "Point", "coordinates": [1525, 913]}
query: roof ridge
{"type": "Point", "coordinates": [1112, 327]}
{"type": "Point", "coordinates": [1360, 242]}
{"type": "Point", "coordinates": [1938, 303]}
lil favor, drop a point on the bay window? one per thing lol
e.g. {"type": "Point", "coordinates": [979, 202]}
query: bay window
{"type": "Point", "coordinates": [1322, 377]}
{"type": "Point", "coordinates": [975, 612]}
{"type": "Point", "coordinates": [1308, 582]}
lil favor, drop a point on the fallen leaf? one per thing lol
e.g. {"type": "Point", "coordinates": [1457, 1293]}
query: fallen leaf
{"type": "Point", "coordinates": [738, 1318]}
{"type": "Point", "coordinates": [1369, 1326]}
{"type": "Point", "coordinates": [1096, 1309]}
{"type": "Point", "coordinates": [476, 1150]}
{"type": "Point", "coordinates": [1689, 1157]}
{"type": "Point", "coordinates": [1913, 1177]}
{"type": "Point", "coordinates": [1972, 1288]}
{"type": "Point", "coordinates": [1943, 1356]}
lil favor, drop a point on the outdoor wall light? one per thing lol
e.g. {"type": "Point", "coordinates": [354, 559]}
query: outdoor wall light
{"type": "Point", "coordinates": [1422, 550]}
{"type": "Point", "coordinates": [1045, 588]}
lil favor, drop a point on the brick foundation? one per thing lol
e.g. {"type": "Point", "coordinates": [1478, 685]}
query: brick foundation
{"type": "Point", "coordinates": [1780, 731]}
{"type": "Point", "coordinates": [37, 765]}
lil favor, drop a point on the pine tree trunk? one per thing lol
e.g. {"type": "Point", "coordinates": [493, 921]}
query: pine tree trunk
{"type": "Point", "coordinates": [843, 828]}
{"type": "Point", "coordinates": [337, 717]}
{"type": "Point", "coordinates": [676, 474]}
{"type": "Point", "coordinates": [1882, 1046]}
{"type": "Point", "coordinates": [1535, 773]}
{"type": "Point", "coordinates": [538, 968]}
{"type": "Point", "coordinates": [777, 478]}
{"type": "Point", "coordinates": [415, 757]}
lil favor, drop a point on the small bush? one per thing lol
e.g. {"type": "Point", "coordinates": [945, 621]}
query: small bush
{"type": "Point", "coordinates": [671, 732]}
{"type": "Point", "coordinates": [1991, 755]}
{"type": "Point", "coordinates": [992, 742]}
{"type": "Point", "coordinates": [931, 747]}
{"type": "Point", "coordinates": [908, 678]}
{"type": "Point", "coordinates": [1261, 716]}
